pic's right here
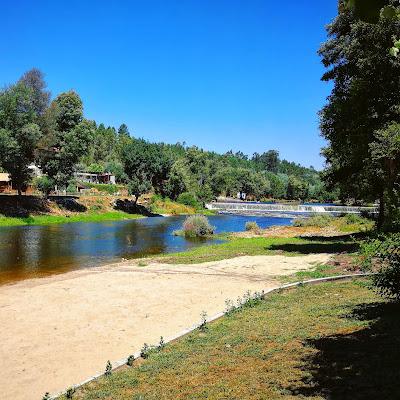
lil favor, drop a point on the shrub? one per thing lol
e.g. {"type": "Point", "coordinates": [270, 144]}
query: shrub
{"type": "Point", "coordinates": [319, 220]}
{"type": "Point", "coordinates": [188, 199]}
{"type": "Point", "coordinates": [197, 226]}
{"type": "Point", "coordinates": [383, 254]}
{"type": "Point", "coordinates": [44, 184]}
{"type": "Point", "coordinates": [252, 226]}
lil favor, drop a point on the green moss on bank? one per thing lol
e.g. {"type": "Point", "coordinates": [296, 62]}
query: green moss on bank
{"type": "Point", "coordinates": [62, 219]}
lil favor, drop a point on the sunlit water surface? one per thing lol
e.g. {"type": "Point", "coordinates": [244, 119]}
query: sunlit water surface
{"type": "Point", "coordinates": [32, 251]}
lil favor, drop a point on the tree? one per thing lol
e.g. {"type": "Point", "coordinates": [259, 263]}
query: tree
{"type": "Point", "coordinates": [123, 131]}
{"type": "Point", "coordinates": [268, 161]}
{"type": "Point", "coordinates": [34, 80]}
{"type": "Point", "coordinates": [145, 162]}
{"type": "Point", "coordinates": [385, 153]}
{"type": "Point", "coordinates": [364, 99]}
{"type": "Point", "coordinates": [19, 133]}
{"type": "Point", "coordinates": [296, 189]}
{"type": "Point", "coordinates": [139, 184]}
{"type": "Point", "coordinates": [67, 139]}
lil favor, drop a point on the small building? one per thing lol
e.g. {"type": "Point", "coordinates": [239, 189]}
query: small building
{"type": "Point", "coordinates": [104, 178]}
{"type": "Point", "coordinates": [5, 182]}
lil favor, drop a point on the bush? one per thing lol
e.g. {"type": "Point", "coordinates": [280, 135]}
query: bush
{"type": "Point", "coordinates": [383, 254]}
{"type": "Point", "coordinates": [188, 199]}
{"type": "Point", "coordinates": [197, 226]}
{"type": "Point", "coordinates": [252, 226]}
{"type": "Point", "coordinates": [44, 184]}
{"type": "Point", "coordinates": [319, 220]}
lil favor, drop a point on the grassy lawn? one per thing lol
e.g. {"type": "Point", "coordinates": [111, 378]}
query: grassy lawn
{"type": "Point", "coordinates": [234, 247]}
{"type": "Point", "coordinates": [62, 219]}
{"type": "Point", "coordinates": [330, 341]}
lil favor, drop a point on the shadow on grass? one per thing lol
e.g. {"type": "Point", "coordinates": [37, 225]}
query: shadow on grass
{"type": "Point", "coordinates": [312, 248]}
{"type": "Point", "coordinates": [359, 365]}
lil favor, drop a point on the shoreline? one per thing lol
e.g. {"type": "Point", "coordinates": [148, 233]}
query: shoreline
{"type": "Point", "coordinates": [51, 219]}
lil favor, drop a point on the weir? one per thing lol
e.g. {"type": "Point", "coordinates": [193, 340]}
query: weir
{"type": "Point", "coordinates": [273, 209]}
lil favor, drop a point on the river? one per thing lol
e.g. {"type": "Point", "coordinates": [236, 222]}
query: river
{"type": "Point", "coordinates": [35, 251]}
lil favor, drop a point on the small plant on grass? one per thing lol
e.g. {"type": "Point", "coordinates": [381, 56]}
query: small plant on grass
{"type": "Point", "coordinates": [161, 345]}
{"type": "Point", "coordinates": [229, 306]}
{"type": "Point", "coordinates": [203, 324]}
{"type": "Point", "coordinates": [252, 226]}
{"type": "Point", "coordinates": [130, 360]}
{"type": "Point", "coordinates": [108, 368]}
{"type": "Point", "coordinates": [70, 393]}
{"type": "Point", "coordinates": [145, 351]}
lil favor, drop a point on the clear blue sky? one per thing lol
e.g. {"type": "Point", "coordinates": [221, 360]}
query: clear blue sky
{"type": "Point", "coordinates": [221, 74]}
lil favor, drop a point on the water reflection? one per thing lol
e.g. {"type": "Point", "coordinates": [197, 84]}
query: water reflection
{"type": "Point", "coordinates": [31, 251]}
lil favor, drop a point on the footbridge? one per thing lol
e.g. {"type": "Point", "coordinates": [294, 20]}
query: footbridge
{"type": "Point", "coordinates": [276, 209]}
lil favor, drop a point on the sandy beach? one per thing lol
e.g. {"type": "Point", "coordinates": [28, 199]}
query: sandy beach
{"type": "Point", "coordinates": [57, 331]}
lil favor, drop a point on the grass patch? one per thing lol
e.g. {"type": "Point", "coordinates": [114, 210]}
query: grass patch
{"type": "Point", "coordinates": [234, 247]}
{"type": "Point", "coordinates": [345, 224]}
{"type": "Point", "coordinates": [62, 219]}
{"type": "Point", "coordinates": [167, 206]}
{"type": "Point", "coordinates": [314, 342]}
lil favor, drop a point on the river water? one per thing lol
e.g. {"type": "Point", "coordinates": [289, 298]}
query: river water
{"type": "Point", "coordinates": [34, 251]}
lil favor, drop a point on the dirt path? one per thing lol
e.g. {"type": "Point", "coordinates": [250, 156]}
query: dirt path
{"type": "Point", "coordinates": [58, 331]}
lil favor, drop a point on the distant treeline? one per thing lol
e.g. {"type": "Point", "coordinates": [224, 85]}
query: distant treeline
{"type": "Point", "coordinates": [56, 137]}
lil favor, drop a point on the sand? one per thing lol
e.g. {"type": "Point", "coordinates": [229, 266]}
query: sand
{"type": "Point", "coordinates": [58, 331]}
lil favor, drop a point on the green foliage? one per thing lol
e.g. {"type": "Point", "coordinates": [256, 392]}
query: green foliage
{"type": "Point", "coordinates": [68, 138]}
{"type": "Point", "coordinates": [95, 168]}
{"type": "Point", "coordinates": [252, 226]}
{"type": "Point", "coordinates": [138, 185]}
{"type": "Point", "coordinates": [203, 323]}
{"type": "Point", "coordinates": [197, 226]}
{"type": "Point", "coordinates": [46, 396]}
{"type": "Point", "coordinates": [383, 254]}
{"type": "Point", "coordinates": [19, 133]}
{"type": "Point", "coordinates": [296, 189]}
{"type": "Point", "coordinates": [188, 199]}
{"type": "Point", "coordinates": [44, 184]}
{"type": "Point", "coordinates": [130, 360]}
{"type": "Point", "coordinates": [70, 393]}
{"type": "Point", "coordinates": [319, 220]}
{"type": "Point", "coordinates": [364, 101]}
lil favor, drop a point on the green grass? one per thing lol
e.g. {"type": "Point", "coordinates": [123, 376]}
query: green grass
{"type": "Point", "coordinates": [61, 219]}
{"type": "Point", "coordinates": [333, 340]}
{"type": "Point", "coordinates": [320, 271]}
{"type": "Point", "coordinates": [234, 247]}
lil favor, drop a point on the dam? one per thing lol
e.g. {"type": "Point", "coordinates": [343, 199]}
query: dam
{"type": "Point", "coordinates": [284, 209]}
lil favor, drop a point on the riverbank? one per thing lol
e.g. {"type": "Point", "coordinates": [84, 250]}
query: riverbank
{"type": "Point", "coordinates": [36, 210]}
{"type": "Point", "coordinates": [63, 219]}
{"type": "Point", "coordinates": [59, 330]}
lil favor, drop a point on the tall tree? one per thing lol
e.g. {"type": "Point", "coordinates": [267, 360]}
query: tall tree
{"type": "Point", "coordinates": [67, 138]}
{"type": "Point", "coordinates": [364, 99]}
{"type": "Point", "coordinates": [19, 133]}
{"type": "Point", "coordinates": [34, 79]}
